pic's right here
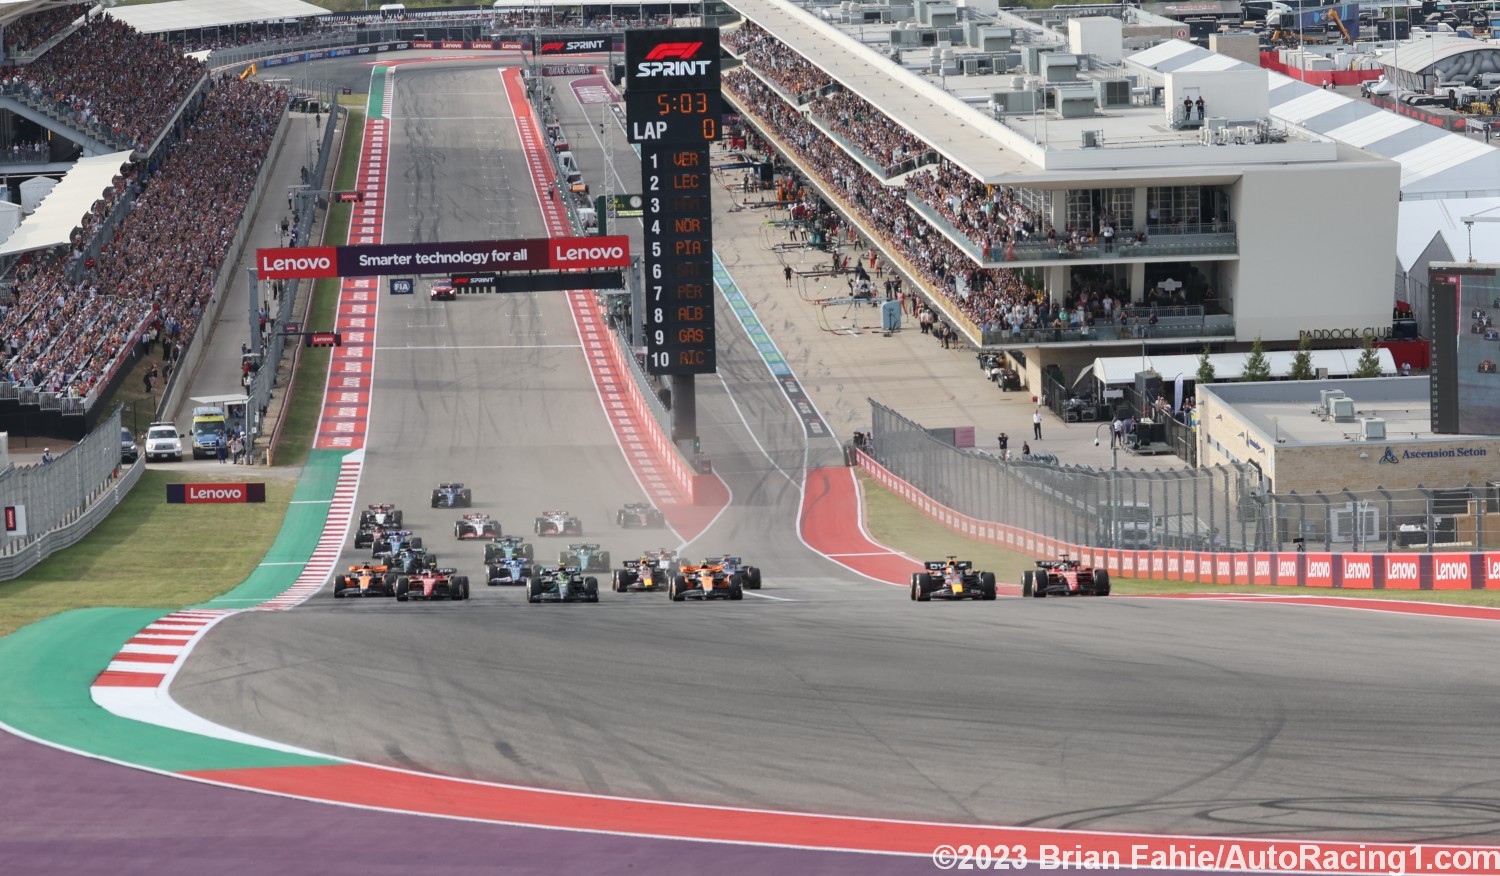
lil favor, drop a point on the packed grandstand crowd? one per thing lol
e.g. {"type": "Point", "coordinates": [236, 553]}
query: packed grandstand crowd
{"type": "Point", "coordinates": [995, 218]}
{"type": "Point", "coordinates": [32, 31]}
{"type": "Point", "coordinates": [157, 272]}
{"type": "Point", "coordinates": [107, 74]}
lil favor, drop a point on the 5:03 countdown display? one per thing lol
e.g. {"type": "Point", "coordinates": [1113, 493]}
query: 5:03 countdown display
{"type": "Point", "coordinates": [674, 118]}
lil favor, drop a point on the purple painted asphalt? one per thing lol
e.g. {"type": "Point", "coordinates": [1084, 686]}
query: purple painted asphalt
{"type": "Point", "coordinates": [62, 813]}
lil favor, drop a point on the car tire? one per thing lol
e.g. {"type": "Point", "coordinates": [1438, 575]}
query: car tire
{"type": "Point", "coordinates": [528, 551]}
{"type": "Point", "coordinates": [1101, 582]}
{"type": "Point", "coordinates": [1039, 585]}
{"type": "Point", "coordinates": [1028, 582]}
{"type": "Point", "coordinates": [987, 585]}
{"type": "Point", "coordinates": [436, 499]}
{"type": "Point", "coordinates": [537, 526]}
{"type": "Point", "coordinates": [338, 587]}
{"type": "Point", "coordinates": [621, 521]}
{"type": "Point", "coordinates": [463, 584]}
{"type": "Point", "coordinates": [403, 587]}
{"type": "Point", "coordinates": [398, 518]}
{"type": "Point", "coordinates": [458, 531]}
{"type": "Point", "coordinates": [736, 588]}
{"type": "Point", "coordinates": [602, 563]}
{"type": "Point", "coordinates": [676, 589]}
{"type": "Point", "coordinates": [388, 585]}
{"type": "Point", "coordinates": [924, 587]}
{"type": "Point", "coordinates": [591, 589]}
{"type": "Point", "coordinates": [533, 590]}
{"type": "Point", "coordinates": [416, 542]}
{"type": "Point", "coordinates": [752, 578]}
{"type": "Point", "coordinates": [916, 588]}
{"type": "Point", "coordinates": [489, 554]}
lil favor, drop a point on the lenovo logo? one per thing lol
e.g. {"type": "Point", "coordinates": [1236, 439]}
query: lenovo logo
{"type": "Point", "coordinates": [1262, 568]}
{"type": "Point", "coordinates": [1286, 568]}
{"type": "Point", "coordinates": [215, 494]}
{"type": "Point", "coordinates": [1319, 569]}
{"type": "Point", "coordinates": [1405, 570]}
{"type": "Point", "coordinates": [1358, 570]}
{"type": "Point", "coordinates": [309, 262]}
{"type": "Point", "coordinates": [1453, 571]}
{"type": "Point", "coordinates": [680, 51]}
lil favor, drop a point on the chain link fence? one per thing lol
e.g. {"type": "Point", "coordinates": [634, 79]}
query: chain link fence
{"type": "Point", "coordinates": [1184, 509]}
{"type": "Point", "coordinates": [57, 494]}
{"type": "Point", "coordinates": [1199, 509]}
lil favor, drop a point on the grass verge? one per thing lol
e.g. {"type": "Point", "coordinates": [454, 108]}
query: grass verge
{"type": "Point", "coordinates": [136, 558]}
{"type": "Point", "coordinates": [894, 522]}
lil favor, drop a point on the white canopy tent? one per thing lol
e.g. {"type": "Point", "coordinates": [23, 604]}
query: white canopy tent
{"type": "Point", "coordinates": [33, 190]}
{"type": "Point", "coordinates": [194, 14]}
{"type": "Point", "coordinates": [10, 218]}
{"type": "Point", "coordinates": [1121, 370]}
{"type": "Point", "coordinates": [70, 200]}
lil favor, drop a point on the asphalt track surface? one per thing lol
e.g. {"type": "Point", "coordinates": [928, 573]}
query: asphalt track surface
{"type": "Point", "coordinates": [828, 693]}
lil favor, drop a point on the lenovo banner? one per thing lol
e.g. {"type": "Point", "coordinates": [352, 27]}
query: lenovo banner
{"type": "Point", "coordinates": [375, 260]}
{"type": "Point", "coordinates": [215, 494]}
{"type": "Point", "coordinates": [572, 45]}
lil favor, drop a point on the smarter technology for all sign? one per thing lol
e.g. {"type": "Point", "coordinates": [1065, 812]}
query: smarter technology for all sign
{"type": "Point", "coordinates": [541, 254]}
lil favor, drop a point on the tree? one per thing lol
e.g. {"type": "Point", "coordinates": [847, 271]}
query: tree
{"type": "Point", "coordinates": [1205, 368]}
{"type": "Point", "coordinates": [1302, 362]}
{"type": "Point", "coordinates": [1369, 361]}
{"type": "Point", "coordinates": [1256, 366]}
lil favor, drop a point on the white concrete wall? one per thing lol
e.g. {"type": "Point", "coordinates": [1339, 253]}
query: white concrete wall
{"type": "Point", "coordinates": [1237, 95]}
{"type": "Point", "coordinates": [1100, 36]}
{"type": "Point", "coordinates": [1315, 245]}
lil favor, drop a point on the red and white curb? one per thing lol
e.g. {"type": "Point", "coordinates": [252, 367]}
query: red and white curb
{"type": "Point", "coordinates": [135, 683]}
{"type": "Point", "coordinates": [331, 544]}
{"type": "Point", "coordinates": [656, 464]}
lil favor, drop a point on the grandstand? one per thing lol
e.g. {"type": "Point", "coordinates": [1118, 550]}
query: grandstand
{"type": "Point", "coordinates": [122, 254]}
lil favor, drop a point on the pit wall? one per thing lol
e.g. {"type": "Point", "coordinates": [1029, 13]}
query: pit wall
{"type": "Point", "coordinates": [685, 482]}
{"type": "Point", "coordinates": [1343, 570]}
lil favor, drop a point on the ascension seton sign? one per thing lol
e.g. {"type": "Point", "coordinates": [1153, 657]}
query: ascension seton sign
{"type": "Point", "coordinates": [375, 260]}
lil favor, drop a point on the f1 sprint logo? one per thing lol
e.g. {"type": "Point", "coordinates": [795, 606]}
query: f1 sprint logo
{"type": "Point", "coordinates": [659, 61]}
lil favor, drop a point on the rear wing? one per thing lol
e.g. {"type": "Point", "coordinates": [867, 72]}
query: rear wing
{"type": "Point", "coordinates": [476, 517]}
{"type": "Point", "coordinates": [940, 565]}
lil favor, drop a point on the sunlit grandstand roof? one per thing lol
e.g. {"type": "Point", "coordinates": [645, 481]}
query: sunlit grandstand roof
{"type": "Point", "coordinates": [195, 14]}
{"type": "Point", "coordinates": [64, 208]}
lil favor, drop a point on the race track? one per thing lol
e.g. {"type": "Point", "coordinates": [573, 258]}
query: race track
{"type": "Point", "coordinates": [827, 692]}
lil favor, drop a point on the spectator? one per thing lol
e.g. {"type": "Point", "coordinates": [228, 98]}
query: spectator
{"type": "Point", "coordinates": [221, 447]}
{"type": "Point", "coordinates": [46, 456]}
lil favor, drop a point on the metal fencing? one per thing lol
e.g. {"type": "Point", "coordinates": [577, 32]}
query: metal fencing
{"type": "Point", "coordinates": [1195, 509]}
{"type": "Point", "coordinates": [59, 493]}
{"type": "Point", "coordinates": [283, 308]}
{"type": "Point", "coordinates": [1183, 509]}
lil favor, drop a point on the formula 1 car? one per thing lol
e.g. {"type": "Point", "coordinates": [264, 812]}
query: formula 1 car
{"type": "Point", "coordinates": [452, 496]}
{"type": "Point", "coordinates": [507, 547]}
{"type": "Point", "coordinates": [383, 514]}
{"type": "Point", "coordinates": [433, 584]}
{"type": "Point", "coordinates": [1064, 577]}
{"type": "Point", "coordinates": [1487, 366]}
{"type": "Point", "coordinates": [653, 571]}
{"type": "Point", "coordinates": [953, 579]}
{"type": "Point", "coordinates": [442, 291]}
{"type": "Point", "coordinates": [390, 541]}
{"type": "Point", "coordinates": [558, 523]}
{"type": "Point", "coordinates": [365, 536]}
{"type": "Point", "coordinates": [364, 580]}
{"type": "Point", "coordinates": [508, 570]}
{"type": "Point", "coordinates": [586, 556]}
{"type": "Point", "coordinates": [708, 581]}
{"type": "Point", "coordinates": [475, 526]}
{"type": "Point", "coordinates": [749, 575]}
{"type": "Point", "coordinates": [561, 585]}
{"type": "Point", "coordinates": [408, 561]}
{"type": "Point", "coordinates": [640, 514]}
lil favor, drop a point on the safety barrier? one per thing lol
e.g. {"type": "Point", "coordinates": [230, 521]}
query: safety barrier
{"type": "Point", "coordinates": [1348, 570]}
{"type": "Point", "coordinates": [65, 499]}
